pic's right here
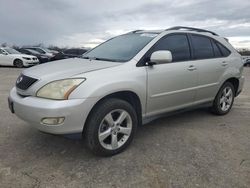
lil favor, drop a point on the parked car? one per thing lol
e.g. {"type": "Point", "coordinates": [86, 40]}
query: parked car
{"type": "Point", "coordinates": [127, 79]}
{"type": "Point", "coordinates": [246, 60]}
{"type": "Point", "coordinates": [69, 53]}
{"type": "Point", "coordinates": [53, 51]}
{"type": "Point", "coordinates": [44, 51]}
{"type": "Point", "coordinates": [42, 58]}
{"type": "Point", "coordinates": [11, 57]}
{"type": "Point", "coordinates": [247, 63]}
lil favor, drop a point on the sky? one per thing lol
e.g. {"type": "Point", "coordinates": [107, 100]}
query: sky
{"type": "Point", "coordinates": [86, 23]}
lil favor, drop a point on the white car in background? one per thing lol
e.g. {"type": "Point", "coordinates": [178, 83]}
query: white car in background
{"type": "Point", "coordinates": [11, 57]}
{"type": "Point", "coordinates": [246, 60]}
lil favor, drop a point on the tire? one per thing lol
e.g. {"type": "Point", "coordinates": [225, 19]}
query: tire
{"type": "Point", "coordinates": [104, 134]}
{"type": "Point", "coordinates": [224, 99]}
{"type": "Point", "coordinates": [18, 63]}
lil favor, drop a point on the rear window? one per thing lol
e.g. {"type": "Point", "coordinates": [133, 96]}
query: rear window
{"type": "Point", "coordinates": [225, 52]}
{"type": "Point", "coordinates": [217, 52]}
{"type": "Point", "coordinates": [202, 47]}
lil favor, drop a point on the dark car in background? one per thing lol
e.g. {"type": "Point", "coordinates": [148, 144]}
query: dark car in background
{"type": "Point", "coordinates": [69, 53]}
{"type": "Point", "coordinates": [44, 51]}
{"type": "Point", "coordinates": [42, 58]}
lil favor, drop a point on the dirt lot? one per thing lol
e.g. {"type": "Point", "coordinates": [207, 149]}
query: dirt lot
{"type": "Point", "coordinates": [192, 149]}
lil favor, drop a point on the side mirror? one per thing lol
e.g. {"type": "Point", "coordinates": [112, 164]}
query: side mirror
{"type": "Point", "coordinates": [161, 56]}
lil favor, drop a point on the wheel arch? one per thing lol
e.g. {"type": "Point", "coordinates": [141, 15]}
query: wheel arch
{"type": "Point", "coordinates": [16, 60]}
{"type": "Point", "coordinates": [235, 82]}
{"type": "Point", "coordinates": [126, 95]}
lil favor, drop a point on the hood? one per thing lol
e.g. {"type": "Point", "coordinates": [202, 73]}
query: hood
{"type": "Point", "coordinates": [22, 55]}
{"type": "Point", "coordinates": [66, 68]}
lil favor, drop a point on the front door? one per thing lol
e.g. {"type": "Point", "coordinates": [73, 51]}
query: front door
{"type": "Point", "coordinates": [3, 58]}
{"type": "Point", "coordinates": [171, 85]}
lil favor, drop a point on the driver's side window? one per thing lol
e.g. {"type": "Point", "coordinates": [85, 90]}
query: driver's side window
{"type": "Point", "coordinates": [177, 44]}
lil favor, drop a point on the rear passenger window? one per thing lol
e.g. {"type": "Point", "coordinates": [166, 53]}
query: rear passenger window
{"type": "Point", "coordinates": [177, 44]}
{"type": "Point", "coordinates": [202, 47]}
{"type": "Point", "coordinates": [225, 52]}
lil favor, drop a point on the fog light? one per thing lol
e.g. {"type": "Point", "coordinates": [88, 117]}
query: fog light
{"type": "Point", "coordinates": [52, 120]}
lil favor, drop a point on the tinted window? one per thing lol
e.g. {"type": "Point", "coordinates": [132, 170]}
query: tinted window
{"type": "Point", "coordinates": [177, 44]}
{"type": "Point", "coordinates": [38, 50]}
{"type": "Point", "coordinates": [11, 51]}
{"type": "Point", "coordinates": [225, 52]}
{"type": "Point", "coordinates": [24, 51]}
{"type": "Point", "coordinates": [217, 52]}
{"type": "Point", "coordinates": [202, 47]}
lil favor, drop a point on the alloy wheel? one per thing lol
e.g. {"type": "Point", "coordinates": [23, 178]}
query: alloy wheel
{"type": "Point", "coordinates": [115, 129]}
{"type": "Point", "coordinates": [226, 98]}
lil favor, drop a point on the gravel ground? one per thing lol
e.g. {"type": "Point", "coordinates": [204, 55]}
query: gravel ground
{"type": "Point", "coordinates": [191, 149]}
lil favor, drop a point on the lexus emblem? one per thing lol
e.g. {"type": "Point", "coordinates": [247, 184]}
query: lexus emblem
{"type": "Point", "coordinates": [19, 79]}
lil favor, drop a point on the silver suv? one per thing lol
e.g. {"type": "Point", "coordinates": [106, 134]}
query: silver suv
{"type": "Point", "coordinates": [108, 92]}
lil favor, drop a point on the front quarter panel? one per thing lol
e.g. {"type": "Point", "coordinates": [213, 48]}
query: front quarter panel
{"type": "Point", "coordinates": [100, 83]}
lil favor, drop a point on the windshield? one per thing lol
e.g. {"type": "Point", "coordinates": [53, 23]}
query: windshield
{"type": "Point", "coordinates": [46, 50]}
{"type": "Point", "coordinates": [11, 51]}
{"type": "Point", "coordinates": [121, 48]}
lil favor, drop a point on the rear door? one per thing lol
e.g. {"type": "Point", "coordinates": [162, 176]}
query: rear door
{"type": "Point", "coordinates": [171, 85]}
{"type": "Point", "coordinates": [210, 63]}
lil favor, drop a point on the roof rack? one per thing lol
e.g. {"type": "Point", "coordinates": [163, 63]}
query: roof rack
{"type": "Point", "coordinates": [191, 29]}
{"type": "Point", "coordinates": [135, 31]}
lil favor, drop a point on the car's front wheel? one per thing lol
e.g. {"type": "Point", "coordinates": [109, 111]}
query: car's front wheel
{"type": "Point", "coordinates": [18, 63]}
{"type": "Point", "coordinates": [223, 101]}
{"type": "Point", "coordinates": [110, 127]}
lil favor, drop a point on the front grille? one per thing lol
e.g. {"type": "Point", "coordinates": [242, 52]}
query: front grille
{"type": "Point", "coordinates": [24, 82]}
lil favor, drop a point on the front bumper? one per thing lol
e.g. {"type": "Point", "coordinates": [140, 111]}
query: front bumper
{"type": "Point", "coordinates": [33, 109]}
{"type": "Point", "coordinates": [30, 62]}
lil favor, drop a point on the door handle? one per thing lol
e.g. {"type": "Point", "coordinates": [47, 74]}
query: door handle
{"type": "Point", "coordinates": [224, 63]}
{"type": "Point", "coordinates": [191, 68]}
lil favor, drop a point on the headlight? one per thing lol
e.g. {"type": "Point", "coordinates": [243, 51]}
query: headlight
{"type": "Point", "coordinates": [60, 89]}
{"type": "Point", "coordinates": [27, 58]}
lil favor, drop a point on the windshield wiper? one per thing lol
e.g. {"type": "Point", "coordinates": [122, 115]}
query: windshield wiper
{"type": "Point", "coordinates": [104, 59]}
{"type": "Point", "coordinates": [99, 59]}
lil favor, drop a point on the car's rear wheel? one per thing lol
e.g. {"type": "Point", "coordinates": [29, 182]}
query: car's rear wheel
{"type": "Point", "coordinates": [223, 101]}
{"type": "Point", "coordinates": [18, 63]}
{"type": "Point", "coordinates": [110, 127]}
